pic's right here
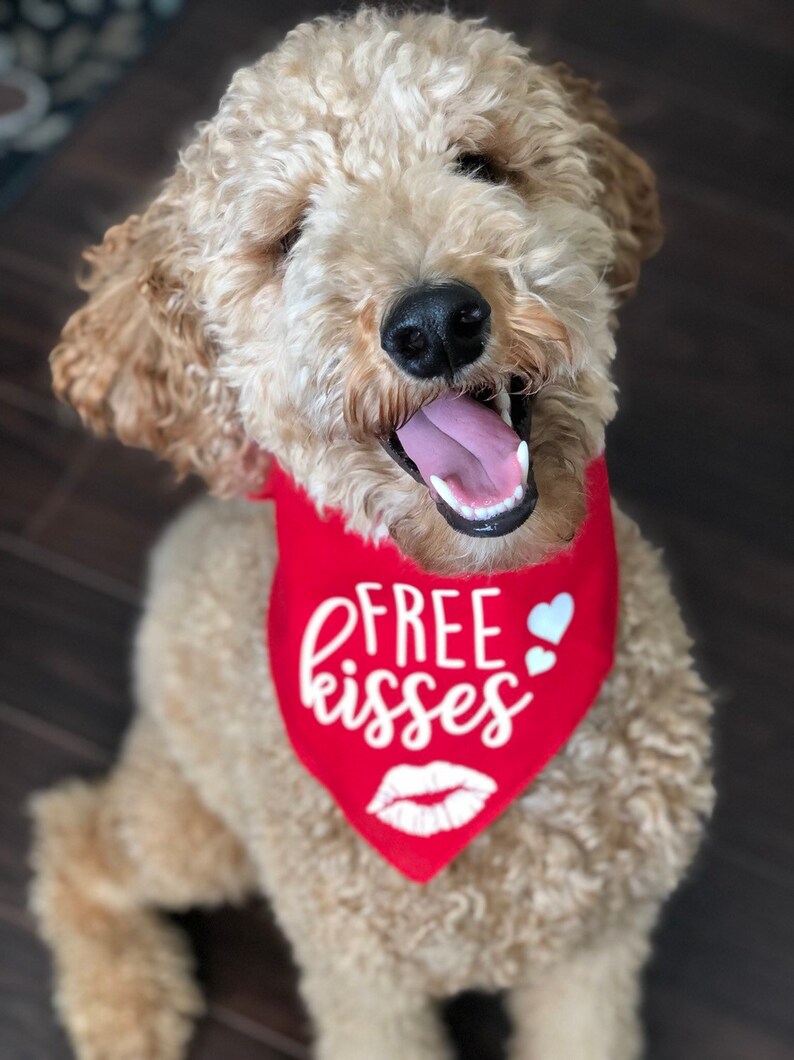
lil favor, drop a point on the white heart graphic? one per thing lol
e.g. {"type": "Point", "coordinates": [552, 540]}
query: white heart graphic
{"type": "Point", "coordinates": [550, 621]}
{"type": "Point", "coordinates": [539, 660]}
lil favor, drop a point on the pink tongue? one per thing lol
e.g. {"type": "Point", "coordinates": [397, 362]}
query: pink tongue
{"type": "Point", "coordinates": [466, 444]}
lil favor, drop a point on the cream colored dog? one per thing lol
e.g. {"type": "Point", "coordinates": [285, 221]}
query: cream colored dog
{"type": "Point", "coordinates": [242, 315]}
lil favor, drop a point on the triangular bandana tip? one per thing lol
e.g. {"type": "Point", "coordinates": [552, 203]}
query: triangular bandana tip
{"type": "Point", "coordinates": [426, 705]}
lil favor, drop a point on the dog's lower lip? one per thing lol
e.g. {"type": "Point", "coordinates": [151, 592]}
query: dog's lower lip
{"type": "Point", "coordinates": [498, 525]}
{"type": "Point", "coordinates": [495, 526]}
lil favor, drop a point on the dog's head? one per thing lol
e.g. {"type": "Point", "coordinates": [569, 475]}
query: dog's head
{"type": "Point", "coordinates": [391, 260]}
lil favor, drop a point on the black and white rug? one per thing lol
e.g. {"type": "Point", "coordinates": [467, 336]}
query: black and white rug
{"type": "Point", "coordinates": [57, 57]}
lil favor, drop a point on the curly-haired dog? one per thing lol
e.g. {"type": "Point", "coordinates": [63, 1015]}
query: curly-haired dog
{"type": "Point", "coordinates": [248, 312]}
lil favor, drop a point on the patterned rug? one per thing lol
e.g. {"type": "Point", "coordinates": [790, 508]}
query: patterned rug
{"type": "Point", "coordinates": [57, 58]}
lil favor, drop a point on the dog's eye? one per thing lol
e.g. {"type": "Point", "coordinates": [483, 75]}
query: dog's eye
{"type": "Point", "coordinates": [479, 167]}
{"type": "Point", "coordinates": [288, 241]}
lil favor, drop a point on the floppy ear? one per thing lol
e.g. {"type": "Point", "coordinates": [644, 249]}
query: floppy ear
{"type": "Point", "coordinates": [135, 360]}
{"type": "Point", "coordinates": [629, 199]}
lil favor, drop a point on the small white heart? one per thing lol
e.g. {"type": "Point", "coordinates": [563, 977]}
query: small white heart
{"type": "Point", "coordinates": [550, 621]}
{"type": "Point", "coordinates": [539, 660]}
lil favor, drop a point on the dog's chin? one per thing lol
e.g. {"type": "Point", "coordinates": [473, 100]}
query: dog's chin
{"type": "Point", "coordinates": [434, 543]}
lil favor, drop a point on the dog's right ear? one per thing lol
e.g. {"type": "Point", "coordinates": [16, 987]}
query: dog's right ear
{"type": "Point", "coordinates": [136, 360]}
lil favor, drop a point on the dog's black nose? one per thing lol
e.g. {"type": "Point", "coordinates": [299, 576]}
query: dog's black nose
{"type": "Point", "coordinates": [435, 329]}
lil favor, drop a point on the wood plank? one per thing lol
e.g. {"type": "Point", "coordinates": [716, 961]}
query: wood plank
{"type": "Point", "coordinates": [769, 23]}
{"type": "Point", "coordinates": [40, 449]}
{"type": "Point", "coordinates": [707, 62]}
{"type": "Point", "coordinates": [65, 651]}
{"type": "Point", "coordinates": [727, 941]}
{"type": "Point", "coordinates": [32, 313]}
{"type": "Point", "coordinates": [28, 1030]}
{"type": "Point", "coordinates": [711, 147]}
{"type": "Point", "coordinates": [726, 250]}
{"type": "Point", "coordinates": [246, 966]}
{"type": "Point", "coordinates": [680, 1026]}
{"type": "Point", "coordinates": [215, 1038]}
{"type": "Point", "coordinates": [704, 413]}
{"type": "Point", "coordinates": [113, 512]}
{"type": "Point", "coordinates": [90, 501]}
{"type": "Point", "coordinates": [29, 763]}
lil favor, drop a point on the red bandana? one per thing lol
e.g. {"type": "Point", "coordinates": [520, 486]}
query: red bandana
{"type": "Point", "coordinates": [425, 705]}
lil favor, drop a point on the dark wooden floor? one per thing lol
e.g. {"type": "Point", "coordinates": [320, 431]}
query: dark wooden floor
{"type": "Point", "coordinates": [701, 453]}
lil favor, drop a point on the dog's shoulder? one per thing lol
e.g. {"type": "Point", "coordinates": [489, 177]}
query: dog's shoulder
{"type": "Point", "coordinates": [208, 586]}
{"type": "Point", "coordinates": [221, 548]}
{"type": "Point", "coordinates": [199, 662]}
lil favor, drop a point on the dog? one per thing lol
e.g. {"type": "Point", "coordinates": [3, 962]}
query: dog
{"type": "Point", "coordinates": [394, 221]}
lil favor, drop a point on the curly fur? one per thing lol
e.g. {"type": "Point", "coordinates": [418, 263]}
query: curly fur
{"type": "Point", "coordinates": [204, 341]}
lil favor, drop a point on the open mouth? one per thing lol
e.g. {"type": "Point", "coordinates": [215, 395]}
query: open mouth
{"type": "Point", "coordinates": [425, 800]}
{"type": "Point", "coordinates": [471, 451]}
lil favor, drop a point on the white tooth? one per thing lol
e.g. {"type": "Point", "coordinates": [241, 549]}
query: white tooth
{"type": "Point", "coordinates": [519, 493]}
{"type": "Point", "coordinates": [502, 400]}
{"type": "Point", "coordinates": [481, 513]}
{"type": "Point", "coordinates": [522, 453]}
{"type": "Point", "coordinates": [467, 512]}
{"type": "Point", "coordinates": [502, 403]}
{"type": "Point", "coordinates": [510, 503]}
{"type": "Point", "coordinates": [499, 508]}
{"type": "Point", "coordinates": [444, 492]}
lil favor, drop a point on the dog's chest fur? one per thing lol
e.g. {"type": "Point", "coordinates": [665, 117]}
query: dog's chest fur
{"type": "Point", "coordinates": [610, 824]}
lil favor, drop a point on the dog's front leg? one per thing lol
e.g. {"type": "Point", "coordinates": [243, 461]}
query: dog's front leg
{"type": "Point", "coordinates": [362, 1017]}
{"type": "Point", "coordinates": [106, 855]}
{"type": "Point", "coordinates": [586, 1007]}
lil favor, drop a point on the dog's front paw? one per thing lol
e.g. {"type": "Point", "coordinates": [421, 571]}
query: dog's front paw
{"type": "Point", "coordinates": [132, 995]}
{"type": "Point", "coordinates": [400, 1051]}
{"type": "Point", "coordinates": [426, 1040]}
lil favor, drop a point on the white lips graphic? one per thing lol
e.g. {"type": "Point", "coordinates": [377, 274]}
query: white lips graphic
{"type": "Point", "coordinates": [393, 801]}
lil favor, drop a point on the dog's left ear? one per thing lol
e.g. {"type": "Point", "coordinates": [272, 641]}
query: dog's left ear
{"type": "Point", "coordinates": [136, 359]}
{"type": "Point", "coordinates": [629, 198]}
